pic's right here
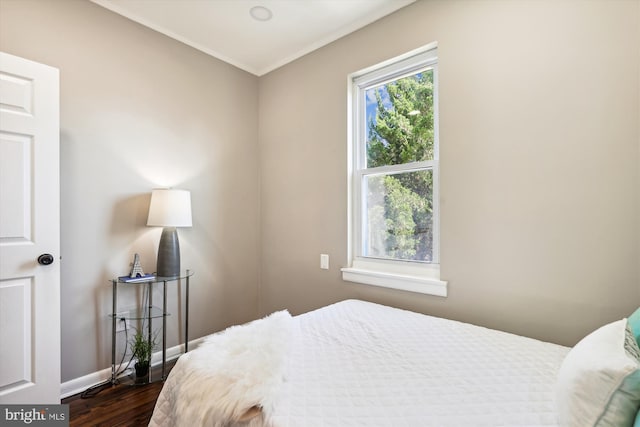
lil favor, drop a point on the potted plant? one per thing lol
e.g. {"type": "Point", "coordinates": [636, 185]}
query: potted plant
{"type": "Point", "coordinates": [142, 350]}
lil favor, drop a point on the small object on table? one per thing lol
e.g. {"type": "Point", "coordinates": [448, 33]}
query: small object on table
{"type": "Point", "coordinates": [136, 269]}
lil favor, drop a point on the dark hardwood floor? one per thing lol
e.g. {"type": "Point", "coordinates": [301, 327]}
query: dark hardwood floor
{"type": "Point", "coordinates": [115, 406]}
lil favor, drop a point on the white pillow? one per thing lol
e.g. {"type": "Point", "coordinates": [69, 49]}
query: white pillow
{"type": "Point", "coordinates": [599, 380]}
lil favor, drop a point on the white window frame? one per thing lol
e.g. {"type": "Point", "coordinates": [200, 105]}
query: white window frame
{"type": "Point", "coordinates": [411, 276]}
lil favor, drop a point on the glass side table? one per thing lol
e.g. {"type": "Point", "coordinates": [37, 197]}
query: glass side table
{"type": "Point", "coordinates": [148, 313]}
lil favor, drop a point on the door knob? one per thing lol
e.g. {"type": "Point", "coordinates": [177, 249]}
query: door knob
{"type": "Point", "coordinates": [45, 259]}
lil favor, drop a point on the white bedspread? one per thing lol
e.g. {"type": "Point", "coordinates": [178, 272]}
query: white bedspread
{"type": "Point", "coordinates": [361, 364]}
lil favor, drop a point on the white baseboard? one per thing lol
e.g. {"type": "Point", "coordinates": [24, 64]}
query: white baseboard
{"type": "Point", "coordinates": [80, 384]}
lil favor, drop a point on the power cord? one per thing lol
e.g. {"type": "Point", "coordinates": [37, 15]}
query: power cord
{"type": "Point", "coordinates": [94, 390]}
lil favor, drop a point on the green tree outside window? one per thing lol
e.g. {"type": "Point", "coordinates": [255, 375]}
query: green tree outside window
{"type": "Point", "coordinates": [400, 205]}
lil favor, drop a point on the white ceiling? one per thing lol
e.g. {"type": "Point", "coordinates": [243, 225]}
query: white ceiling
{"type": "Point", "coordinates": [225, 29]}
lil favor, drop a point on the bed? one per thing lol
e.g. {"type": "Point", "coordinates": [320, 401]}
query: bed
{"type": "Point", "coordinates": [356, 363]}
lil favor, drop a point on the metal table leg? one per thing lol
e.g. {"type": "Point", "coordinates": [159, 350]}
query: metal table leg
{"type": "Point", "coordinates": [114, 321]}
{"type": "Point", "coordinates": [186, 318]}
{"type": "Point", "coordinates": [164, 329]}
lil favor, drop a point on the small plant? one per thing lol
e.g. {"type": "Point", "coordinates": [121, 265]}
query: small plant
{"type": "Point", "coordinates": [142, 350]}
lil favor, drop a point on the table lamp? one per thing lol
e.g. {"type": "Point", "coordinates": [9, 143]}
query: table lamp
{"type": "Point", "coordinates": [169, 208]}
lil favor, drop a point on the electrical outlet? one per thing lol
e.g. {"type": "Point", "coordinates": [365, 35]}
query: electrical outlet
{"type": "Point", "coordinates": [122, 321]}
{"type": "Point", "coordinates": [324, 261]}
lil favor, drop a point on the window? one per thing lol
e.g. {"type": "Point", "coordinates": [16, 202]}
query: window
{"type": "Point", "coordinates": [394, 220]}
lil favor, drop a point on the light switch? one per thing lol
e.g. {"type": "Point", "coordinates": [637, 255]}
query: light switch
{"type": "Point", "coordinates": [324, 261]}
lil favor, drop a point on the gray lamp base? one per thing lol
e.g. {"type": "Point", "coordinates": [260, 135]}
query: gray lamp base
{"type": "Point", "coordinates": [168, 253]}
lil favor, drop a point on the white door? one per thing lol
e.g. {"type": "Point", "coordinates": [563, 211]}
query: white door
{"type": "Point", "coordinates": [29, 227]}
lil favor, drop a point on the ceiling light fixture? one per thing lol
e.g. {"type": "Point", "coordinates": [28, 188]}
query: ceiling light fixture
{"type": "Point", "coordinates": [260, 13]}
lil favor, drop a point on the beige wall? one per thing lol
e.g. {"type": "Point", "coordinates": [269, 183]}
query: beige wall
{"type": "Point", "coordinates": [539, 134]}
{"type": "Point", "coordinates": [138, 111]}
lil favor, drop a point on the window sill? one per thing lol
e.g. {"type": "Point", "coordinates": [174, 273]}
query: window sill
{"type": "Point", "coordinates": [419, 284]}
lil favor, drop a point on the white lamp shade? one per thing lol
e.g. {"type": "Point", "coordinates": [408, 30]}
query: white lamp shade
{"type": "Point", "coordinates": [170, 208]}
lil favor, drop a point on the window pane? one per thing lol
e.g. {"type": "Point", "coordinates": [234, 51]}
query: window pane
{"type": "Point", "coordinates": [399, 220]}
{"type": "Point", "coordinates": [399, 119]}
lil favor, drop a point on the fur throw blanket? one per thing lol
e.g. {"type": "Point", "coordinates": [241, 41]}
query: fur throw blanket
{"type": "Point", "coordinates": [232, 377]}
